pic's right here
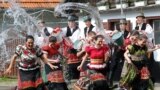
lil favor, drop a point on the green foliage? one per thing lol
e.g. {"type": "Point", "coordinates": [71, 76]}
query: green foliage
{"type": "Point", "coordinates": [6, 79]}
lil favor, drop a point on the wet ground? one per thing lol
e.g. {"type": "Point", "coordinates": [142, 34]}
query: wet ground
{"type": "Point", "coordinates": [11, 86]}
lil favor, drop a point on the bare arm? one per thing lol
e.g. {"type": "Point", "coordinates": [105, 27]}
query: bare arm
{"type": "Point", "coordinates": [126, 56]}
{"type": "Point", "coordinates": [50, 60]}
{"type": "Point", "coordinates": [45, 60]}
{"type": "Point", "coordinates": [83, 61]}
{"type": "Point", "coordinates": [13, 60]}
{"type": "Point", "coordinates": [155, 48]}
{"type": "Point", "coordinates": [80, 53]}
{"type": "Point", "coordinates": [112, 33]}
{"type": "Point", "coordinates": [106, 57]}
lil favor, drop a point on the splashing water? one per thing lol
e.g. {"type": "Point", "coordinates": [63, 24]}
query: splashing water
{"type": "Point", "coordinates": [93, 11]}
{"type": "Point", "coordinates": [23, 24]}
{"type": "Point", "coordinates": [17, 23]}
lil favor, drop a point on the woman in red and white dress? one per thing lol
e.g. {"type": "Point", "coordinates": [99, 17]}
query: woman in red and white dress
{"type": "Point", "coordinates": [29, 76]}
{"type": "Point", "coordinates": [98, 54]}
{"type": "Point", "coordinates": [55, 77]}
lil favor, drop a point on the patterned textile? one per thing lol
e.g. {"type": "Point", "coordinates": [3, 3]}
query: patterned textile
{"type": "Point", "coordinates": [28, 58]}
{"type": "Point", "coordinates": [55, 78]}
{"type": "Point", "coordinates": [28, 80]}
{"type": "Point", "coordinates": [97, 56]}
{"type": "Point", "coordinates": [90, 81]}
{"type": "Point", "coordinates": [138, 76]}
{"type": "Point", "coordinates": [67, 44]}
{"type": "Point", "coordinates": [73, 59]}
{"type": "Point", "coordinates": [128, 78]}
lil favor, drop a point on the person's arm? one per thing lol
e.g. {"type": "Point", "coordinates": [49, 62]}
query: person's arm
{"type": "Point", "coordinates": [83, 61]}
{"type": "Point", "coordinates": [80, 53]}
{"type": "Point", "coordinates": [13, 60]}
{"type": "Point", "coordinates": [127, 57]}
{"type": "Point", "coordinates": [51, 60]}
{"type": "Point", "coordinates": [155, 48]}
{"type": "Point", "coordinates": [112, 33]}
{"type": "Point", "coordinates": [106, 57]}
{"type": "Point", "coordinates": [45, 60]}
{"type": "Point", "coordinates": [64, 31]}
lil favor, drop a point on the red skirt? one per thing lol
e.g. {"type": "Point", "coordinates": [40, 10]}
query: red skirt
{"type": "Point", "coordinates": [55, 78]}
{"type": "Point", "coordinates": [30, 79]}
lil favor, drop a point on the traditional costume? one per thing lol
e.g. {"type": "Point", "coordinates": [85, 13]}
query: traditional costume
{"type": "Point", "coordinates": [138, 76]}
{"type": "Point", "coordinates": [95, 78]}
{"type": "Point", "coordinates": [55, 77]}
{"type": "Point", "coordinates": [29, 76]}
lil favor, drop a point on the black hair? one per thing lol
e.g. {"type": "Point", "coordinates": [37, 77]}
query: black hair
{"type": "Point", "coordinates": [134, 32]}
{"type": "Point", "coordinates": [29, 37]}
{"type": "Point", "coordinates": [72, 51]}
{"type": "Point", "coordinates": [98, 36]}
{"type": "Point", "coordinates": [52, 39]}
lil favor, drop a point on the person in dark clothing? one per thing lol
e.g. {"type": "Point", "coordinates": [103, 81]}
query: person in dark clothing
{"type": "Point", "coordinates": [89, 27]}
{"type": "Point", "coordinates": [117, 57]}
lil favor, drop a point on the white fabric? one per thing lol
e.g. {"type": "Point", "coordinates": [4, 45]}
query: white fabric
{"type": "Point", "coordinates": [96, 66]}
{"type": "Point", "coordinates": [157, 55]}
{"type": "Point", "coordinates": [149, 30]}
{"type": "Point", "coordinates": [83, 35]}
{"type": "Point", "coordinates": [40, 40]}
{"type": "Point", "coordinates": [77, 35]}
{"type": "Point", "coordinates": [50, 30]}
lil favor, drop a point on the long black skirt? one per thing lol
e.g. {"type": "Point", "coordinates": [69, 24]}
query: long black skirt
{"type": "Point", "coordinates": [73, 73]}
{"type": "Point", "coordinates": [30, 80]}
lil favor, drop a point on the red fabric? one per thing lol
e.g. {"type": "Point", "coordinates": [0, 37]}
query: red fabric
{"type": "Point", "coordinates": [67, 44]}
{"type": "Point", "coordinates": [127, 42]}
{"type": "Point", "coordinates": [72, 58]}
{"type": "Point", "coordinates": [83, 73]}
{"type": "Point", "coordinates": [144, 73]}
{"type": "Point", "coordinates": [97, 76]}
{"type": "Point", "coordinates": [57, 30]}
{"type": "Point", "coordinates": [97, 53]}
{"type": "Point", "coordinates": [51, 50]}
{"type": "Point", "coordinates": [56, 76]}
{"type": "Point", "coordinates": [29, 83]}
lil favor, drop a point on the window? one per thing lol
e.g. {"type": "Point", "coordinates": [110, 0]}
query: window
{"type": "Point", "coordinates": [156, 27]}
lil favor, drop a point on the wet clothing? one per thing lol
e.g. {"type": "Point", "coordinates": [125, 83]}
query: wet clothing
{"type": "Point", "coordinates": [95, 76]}
{"type": "Point", "coordinates": [29, 76]}
{"type": "Point", "coordinates": [55, 76]}
{"type": "Point", "coordinates": [138, 76]}
{"type": "Point", "coordinates": [74, 33]}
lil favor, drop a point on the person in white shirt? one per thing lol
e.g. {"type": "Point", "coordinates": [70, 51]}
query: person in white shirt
{"type": "Point", "coordinates": [43, 34]}
{"type": "Point", "coordinates": [144, 28]}
{"type": "Point", "coordinates": [89, 27]}
{"type": "Point", "coordinates": [72, 30]}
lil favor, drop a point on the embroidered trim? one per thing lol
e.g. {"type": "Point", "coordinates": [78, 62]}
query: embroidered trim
{"type": "Point", "coordinates": [28, 84]}
{"type": "Point", "coordinates": [96, 66]}
{"type": "Point", "coordinates": [56, 76]}
{"type": "Point", "coordinates": [97, 76]}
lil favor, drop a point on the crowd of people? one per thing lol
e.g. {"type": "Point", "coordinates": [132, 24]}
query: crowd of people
{"type": "Point", "coordinates": [85, 57]}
